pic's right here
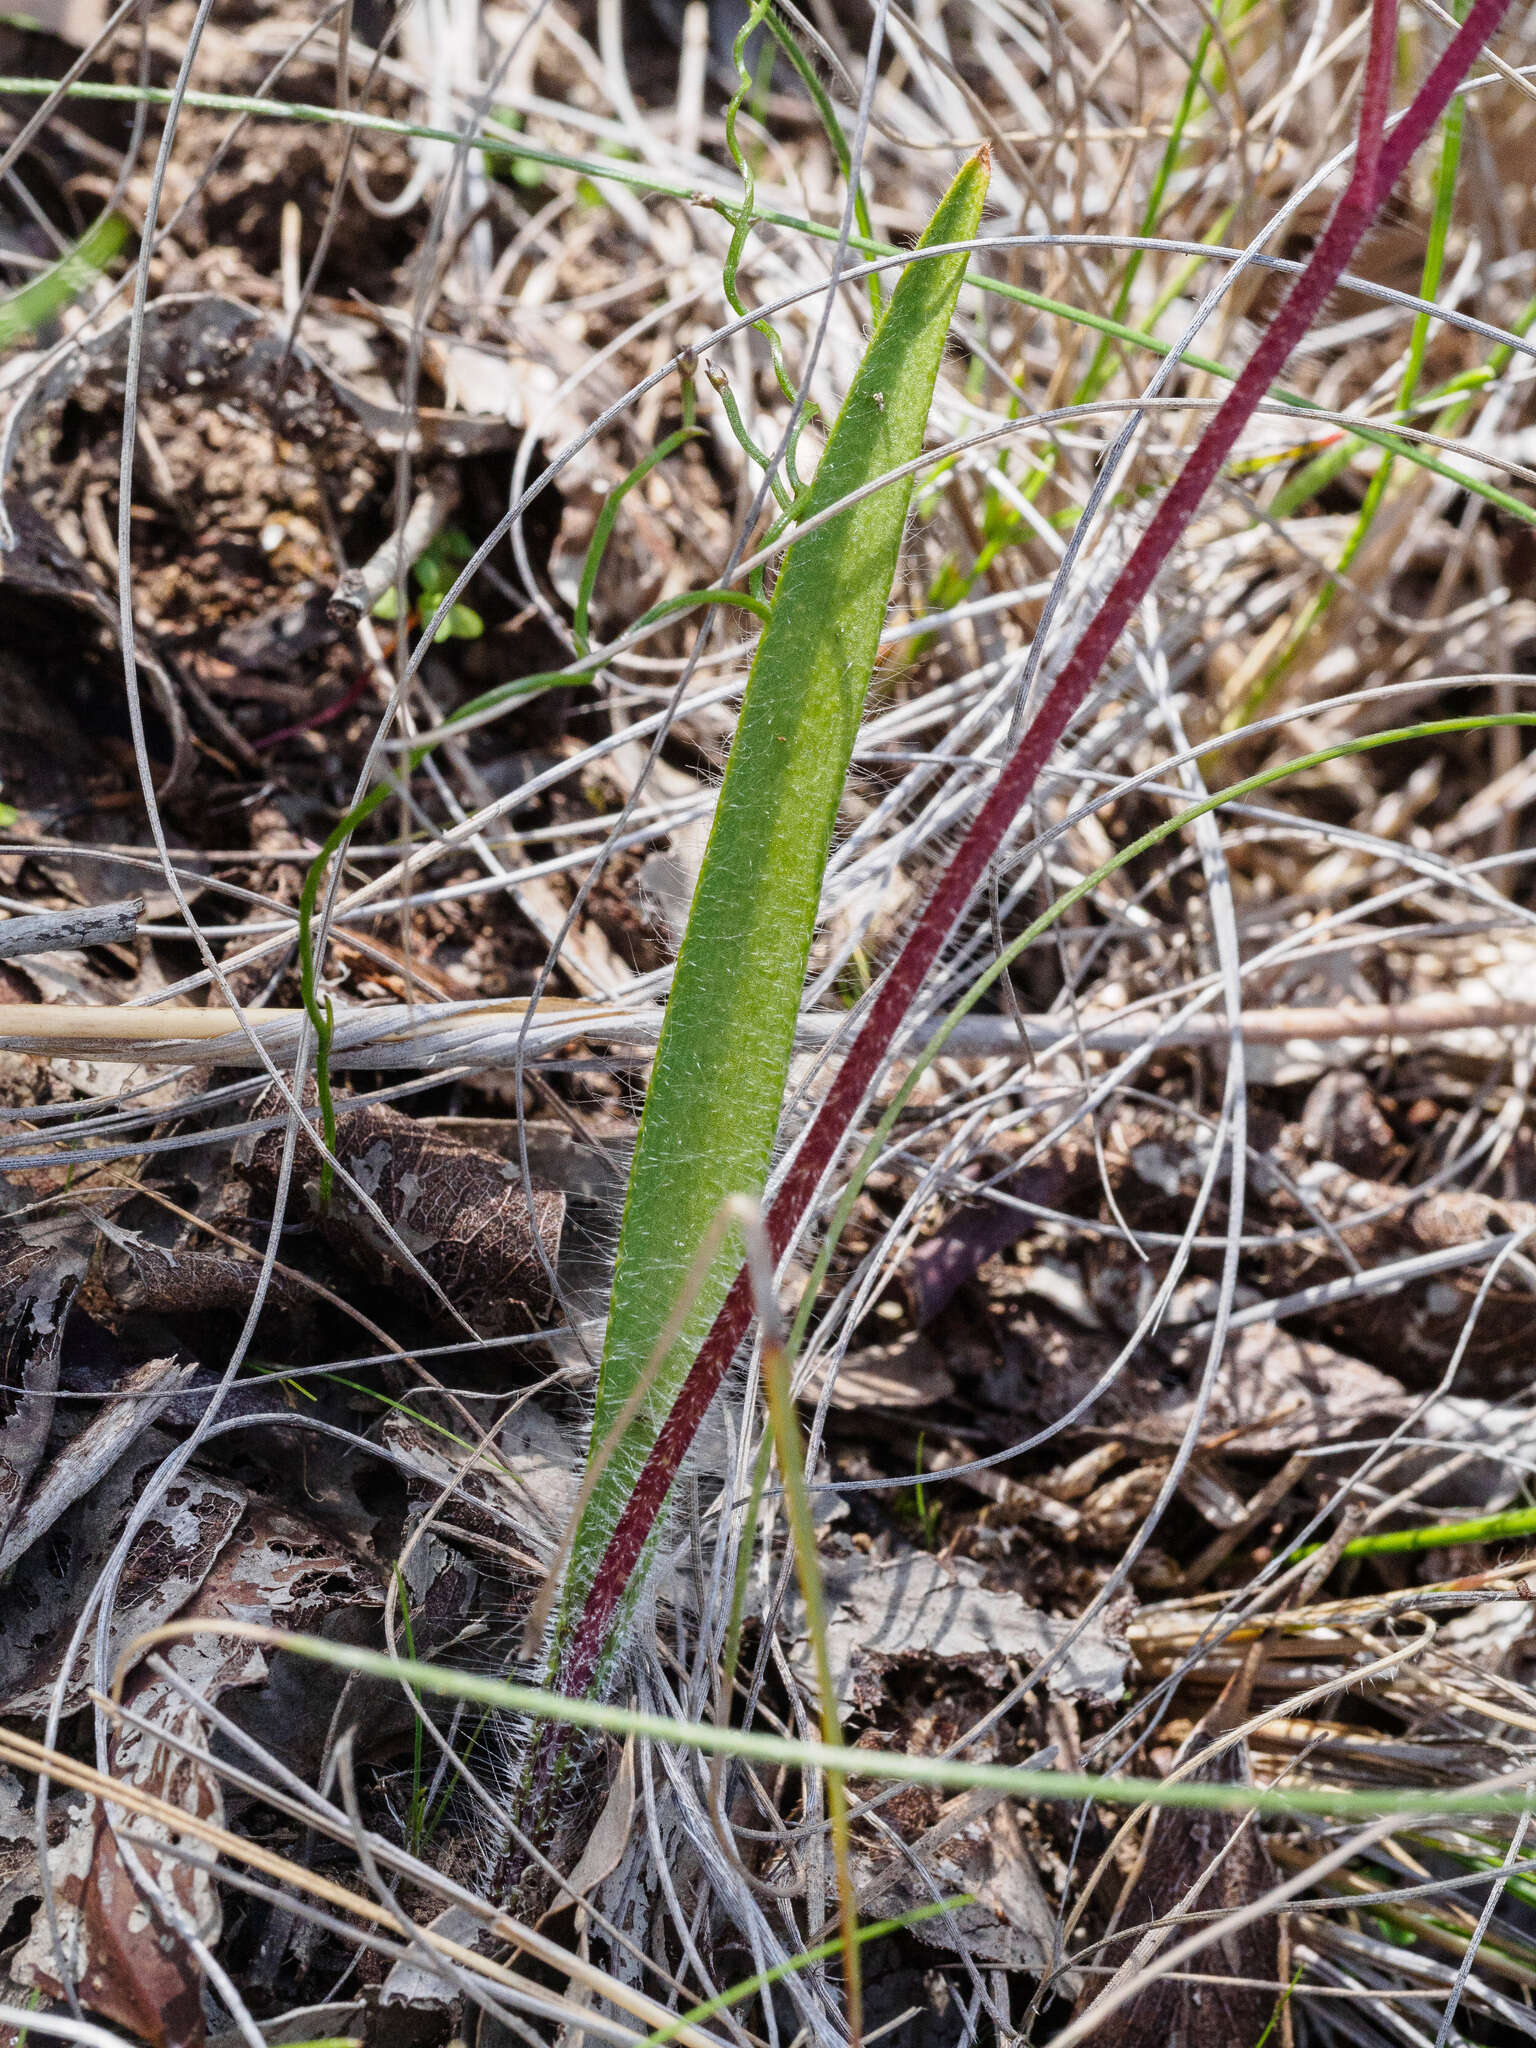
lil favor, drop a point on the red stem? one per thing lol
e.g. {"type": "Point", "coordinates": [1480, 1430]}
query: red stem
{"type": "Point", "coordinates": [1379, 162]}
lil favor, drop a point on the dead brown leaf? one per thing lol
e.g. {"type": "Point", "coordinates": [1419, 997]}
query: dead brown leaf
{"type": "Point", "coordinates": [908, 1373]}
{"type": "Point", "coordinates": [462, 1212]}
{"type": "Point", "coordinates": [90, 1456]}
{"type": "Point", "coordinates": [1194, 1862]}
{"type": "Point", "coordinates": [1276, 1393]}
{"type": "Point", "coordinates": [1414, 1329]}
{"type": "Point", "coordinates": [130, 1962]}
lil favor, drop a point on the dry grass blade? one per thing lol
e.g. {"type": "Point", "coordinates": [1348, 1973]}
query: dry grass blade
{"type": "Point", "coordinates": [31, 1756]}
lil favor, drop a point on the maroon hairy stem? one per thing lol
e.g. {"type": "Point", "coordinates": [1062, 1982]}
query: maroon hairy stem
{"type": "Point", "coordinates": [1379, 161]}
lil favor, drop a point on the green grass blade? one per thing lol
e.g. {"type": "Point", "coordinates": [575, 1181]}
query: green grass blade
{"type": "Point", "coordinates": [764, 1980]}
{"type": "Point", "coordinates": [829, 121]}
{"type": "Point", "coordinates": [713, 1109]}
{"type": "Point", "coordinates": [1499, 1528]}
{"type": "Point", "coordinates": [1098, 372]}
{"type": "Point", "coordinates": [53, 289]}
{"type": "Point", "coordinates": [602, 533]}
{"type": "Point", "coordinates": [888, 1766]}
{"type": "Point", "coordinates": [1429, 285]}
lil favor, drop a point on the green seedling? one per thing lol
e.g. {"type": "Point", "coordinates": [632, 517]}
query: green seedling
{"type": "Point", "coordinates": [515, 170]}
{"type": "Point", "coordinates": [921, 1510]}
{"type": "Point", "coordinates": [1278, 2015]}
{"type": "Point", "coordinates": [434, 574]}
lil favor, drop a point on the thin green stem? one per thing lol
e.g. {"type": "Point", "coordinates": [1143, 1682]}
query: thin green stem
{"type": "Point", "coordinates": [602, 532]}
{"type": "Point", "coordinates": [597, 169]}
{"type": "Point", "coordinates": [1098, 371]}
{"type": "Point", "coordinates": [1499, 1528]}
{"type": "Point", "coordinates": [1432, 272]}
{"type": "Point", "coordinates": [885, 1766]}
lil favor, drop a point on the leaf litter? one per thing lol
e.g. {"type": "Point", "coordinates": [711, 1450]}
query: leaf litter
{"type": "Point", "coordinates": [1037, 1258]}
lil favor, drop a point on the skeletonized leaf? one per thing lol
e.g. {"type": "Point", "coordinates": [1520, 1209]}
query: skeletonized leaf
{"type": "Point", "coordinates": [172, 1555]}
{"type": "Point", "coordinates": [462, 1213]}
{"type": "Point", "coordinates": [129, 1960]}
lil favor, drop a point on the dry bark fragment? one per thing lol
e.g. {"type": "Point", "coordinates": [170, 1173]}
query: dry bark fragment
{"type": "Point", "coordinates": [914, 1609]}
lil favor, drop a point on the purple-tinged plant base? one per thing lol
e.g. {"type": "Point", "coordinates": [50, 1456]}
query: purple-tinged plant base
{"type": "Point", "coordinates": [1380, 160]}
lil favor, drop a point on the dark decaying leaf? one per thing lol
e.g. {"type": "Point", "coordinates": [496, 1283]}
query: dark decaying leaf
{"type": "Point", "coordinates": [171, 1557]}
{"type": "Point", "coordinates": [130, 1963]}
{"type": "Point", "coordinates": [286, 1572]}
{"type": "Point", "coordinates": [39, 1273]}
{"type": "Point", "coordinates": [20, 1873]}
{"type": "Point", "coordinates": [976, 1849]}
{"type": "Point", "coordinates": [937, 1268]}
{"type": "Point", "coordinates": [143, 1395]}
{"type": "Point", "coordinates": [151, 1278]}
{"type": "Point", "coordinates": [1224, 1856]}
{"type": "Point", "coordinates": [908, 1373]}
{"type": "Point", "coordinates": [1413, 1330]}
{"type": "Point", "coordinates": [461, 1212]}
{"type": "Point", "coordinates": [35, 563]}
{"type": "Point", "coordinates": [223, 350]}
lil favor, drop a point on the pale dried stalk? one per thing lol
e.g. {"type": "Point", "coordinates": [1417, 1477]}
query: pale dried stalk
{"type": "Point", "coordinates": [68, 1028]}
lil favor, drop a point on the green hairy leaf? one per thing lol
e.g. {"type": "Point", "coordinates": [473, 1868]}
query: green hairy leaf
{"type": "Point", "coordinates": [712, 1112]}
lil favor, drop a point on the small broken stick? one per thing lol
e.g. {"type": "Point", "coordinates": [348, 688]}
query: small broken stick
{"type": "Point", "coordinates": [66, 931]}
{"type": "Point", "coordinates": [359, 590]}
